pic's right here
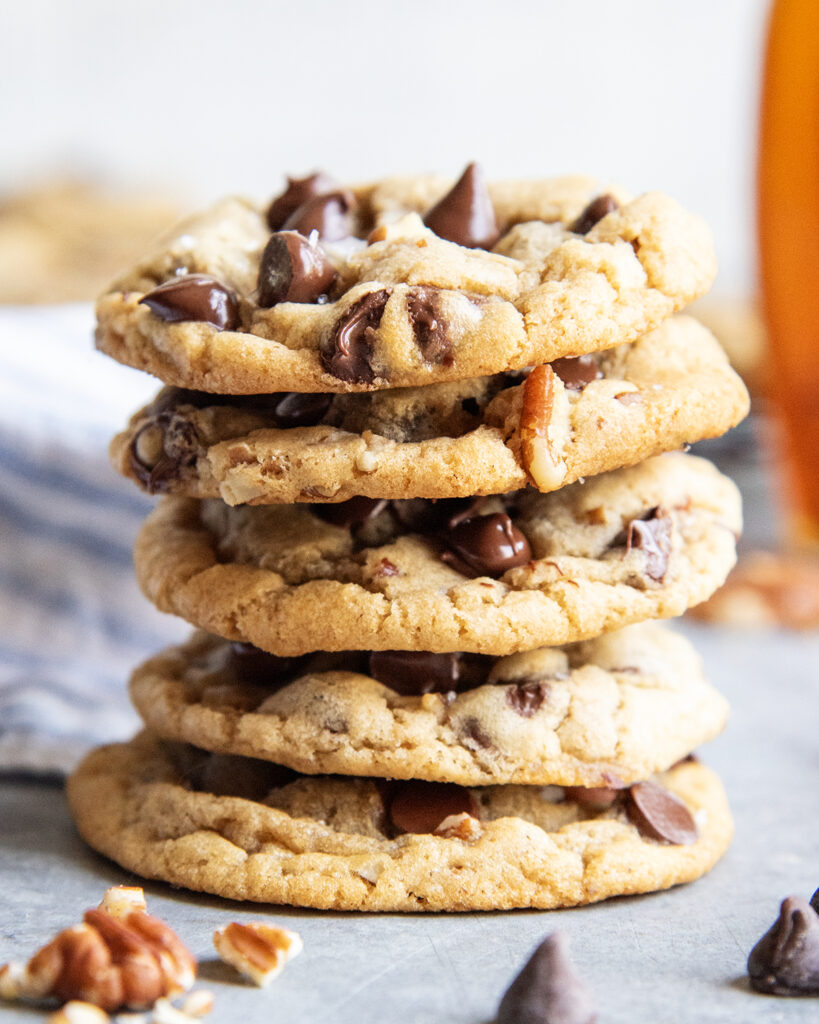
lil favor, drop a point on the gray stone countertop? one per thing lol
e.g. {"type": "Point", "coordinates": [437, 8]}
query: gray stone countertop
{"type": "Point", "coordinates": [671, 957]}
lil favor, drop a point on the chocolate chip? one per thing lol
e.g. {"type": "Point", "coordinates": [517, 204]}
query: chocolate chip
{"type": "Point", "coordinates": [652, 534]}
{"type": "Point", "coordinates": [424, 516]}
{"type": "Point", "coordinates": [346, 355]}
{"type": "Point", "coordinates": [785, 961]}
{"type": "Point", "coordinates": [466, 215]}
{"type": "Point", "coordinates": [293, 269]}
{"type": "Point", "coordinates": [527, 698]}
{"type": "Point", "coordinates": [595, 798]}
{"type": "Point", "coordinates": [577, 371]}
{"type": "Point", "coordinates": [595, 211]}
{"type": "Point", "coordinates": [297, 409]}
{"type": "Point", "coordinates": [659, 814]}
{"type": "Point", "coordinates": [416, 806]}
{"type": "Point", "coordinates": [470, 406]}
{"type": "Point", "coordinates": [486, 546]}
{"type": "Point", "coordinates": [162, 449]}
{"type": "Point", "coordinates": [547, 990]}
{"type": "Point", "coordinates": [298, 191]}
{"type": "Point", "coordinates": [251, 665]}
{"type": "Point", "coordinates": [354, 512]}
{"type": "Point", "coordinates": [474, 735]}
{"type": "Point", "coordinates": [413, 673]}
{"type": "Point", "coordinates": [328, 213]}
{"type": "Point", "coordinates": [245, 777]}
{"type": "Point", "coordinates": [814, 901]}
{"type": "Point", "coordinates": [428, 325]}
{"type": "Point", "coordinates": [194, 297]}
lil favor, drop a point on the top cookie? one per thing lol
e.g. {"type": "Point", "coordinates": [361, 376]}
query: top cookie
{"type": "Point", "coordinates": [406, 282]}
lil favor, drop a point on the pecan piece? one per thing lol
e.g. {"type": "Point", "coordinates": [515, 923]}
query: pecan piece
{"type": "Point", "coordinates": [258, 951]}
{"type": "Point", "coordinates": [536, 448]}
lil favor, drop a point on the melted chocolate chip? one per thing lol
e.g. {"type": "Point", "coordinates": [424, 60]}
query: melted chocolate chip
{"type": "Point", "coordinates": [785, 961]}
{"type": "Point", "coordinates": [466, 215]}
{"type": "Point", "coordinates": [595, 798]}
{"type": "Point", "coordinates": [251, 665]}
{"type": "Point", "coordinates": [486, 546]}
{"type": "Point", "coordinates": [194, 297]}
{"type": "Point", "coordinates": [424, 516]}
{"type": "Point", "coordinates": [595, 211]}
{"type": "Point", "coordinates": [421, 806]}
{"type": "Point", "coordinates": [293, 270]}
{"type": "Point", "coordinates": [652, 534]}
{"type": "Point", "coordinates": [297, 193]}
{"type": "Point", "coordinates": [245, 777]}
{"type": "Point", "coordinates": [349, 513]}
{"type": "Point", "coordinates": [547, 990]}
{"type": "Point", "coordinates": [474, 735]}
{"type": "Point", "coordinates": [296, 409]}
{"type": "Point", "coordinates": [527, 698]}
{"type": "Point", "coordinates": [576, 372]}
{"type": "Point", "coordinates": [328, 213]}
{"type": "Point", "coordinates": [660, 815]}
{"type": "Point", "coordinates": [428, 325]}
{"type": "Point", "coordinates": [162, 449]}
{"type": "Point", "coordinates": [349, 348]}
{"type": "Point", "coordinates": [413, 673]}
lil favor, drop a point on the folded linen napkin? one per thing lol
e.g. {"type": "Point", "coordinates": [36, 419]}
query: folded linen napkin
{"type": "Point", "coordinates": [72, 621]}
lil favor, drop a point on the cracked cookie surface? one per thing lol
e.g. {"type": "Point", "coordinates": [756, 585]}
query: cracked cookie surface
{"type": "Point", "coordinates": [415, 308]}
{"type": "Point", "coordinates": [671, 387]}
{"type": "Point", "coordinates": [324, 842]}
{"type": "Point", "coordinates": [495, 575]}
{"type": "Point", "coordinates": [619, 707]}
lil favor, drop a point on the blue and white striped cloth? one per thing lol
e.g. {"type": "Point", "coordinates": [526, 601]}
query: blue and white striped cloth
{"type": "Point", "coordinates": [72, 621]}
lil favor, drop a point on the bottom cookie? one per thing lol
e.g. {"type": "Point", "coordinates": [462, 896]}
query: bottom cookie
{"type": "Point", "coordinates": [172, 812]}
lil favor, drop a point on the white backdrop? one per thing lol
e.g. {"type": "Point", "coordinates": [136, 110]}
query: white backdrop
{"type": "Point", "coordinates": [210, 97]}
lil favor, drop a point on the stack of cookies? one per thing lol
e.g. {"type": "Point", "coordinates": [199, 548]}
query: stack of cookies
{"type": "Point", "coordinates": [416, 502]}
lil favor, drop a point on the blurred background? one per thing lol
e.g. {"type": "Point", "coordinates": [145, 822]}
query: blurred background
{"type": "Point", "coordinates": [189, 99]}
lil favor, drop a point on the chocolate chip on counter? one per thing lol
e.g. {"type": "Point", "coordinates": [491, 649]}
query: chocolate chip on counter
{"type": "Point", "coordinates": [245, 777]}
{"type": "Point", "coordinates": [548, 989]}
{"type": "Point", "coordinates": [428, 325]}
{"type": "Point", "coordinates": [595, 798]}
{"type": "Point", "coordinates": [595, 211]}
{"type": "Point", "coordinates": [466, 215]}
{"type": "Point", "coordinates": [353, 512]}
{"type": "Point", "coordinates": [527, 698]}
{"type": "Point", "coordinates": [298, 191]}
{"type": "Point", "coordinates": [416, 806]}
{"type": "Point", "coordinates": [346, 355]}
{"type": "Point", "coordinates": [293, 269]}
{"type": "Point", "coordinates": [328, 213]}
{"type": "Point", "coordinates": [658, 814]}
{"type": "Point", "coordinates": [785, 961]}
{"type": "Point", "coordinates": [197, 297]}
{"type": "Point", "coordinates": [161, 449]}
{"type": "Point", "coordinates": [652, 534]}
{"type": "Point", "coordinates": [814, 901]}
{"type": "Point", "coordinates": [297, 409]}
{"type": "Point", "coordinates": [577, 371]}
{"type": "Point", "coordinates": [252, 665]}
{"type": "Point", "coordinates": [413, 673]}
{"type": "Point", "coordinates": [486, 546]}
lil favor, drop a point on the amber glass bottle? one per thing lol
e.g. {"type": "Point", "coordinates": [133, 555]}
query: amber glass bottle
{"type": "Point", "coordinates": [788, 206]}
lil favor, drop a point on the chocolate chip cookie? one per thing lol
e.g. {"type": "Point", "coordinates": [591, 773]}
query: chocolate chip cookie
{"type": "Point", "coordinates": [575, 418]}
{"type": "Point", "coordinates": [248, 830]}
{"type": "Point", "coordinates": [406, 282]}
{"type": "Point", "coordinates": [491, 575]}
{"type": "Point", "coordinates": [601, 713]}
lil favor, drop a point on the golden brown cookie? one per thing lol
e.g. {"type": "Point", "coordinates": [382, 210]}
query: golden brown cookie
{"type": "Point", "coordinates": [496, 575]}
{"type": "Point", "coordinates": [604, 712]}
{"type": "Point", "coordinates": [597, 413]}
{"type": "Point", "coordinates": [371, 288]}
{"type": "Point", "coordinates": [354, 844]}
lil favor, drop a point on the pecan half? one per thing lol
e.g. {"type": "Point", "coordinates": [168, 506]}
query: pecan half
{"type": "Point", "coordinates": [538, 455]}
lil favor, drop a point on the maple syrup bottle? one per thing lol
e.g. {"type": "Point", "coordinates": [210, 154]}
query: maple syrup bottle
{"type": "Point", "coordinates": [788, 220]}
